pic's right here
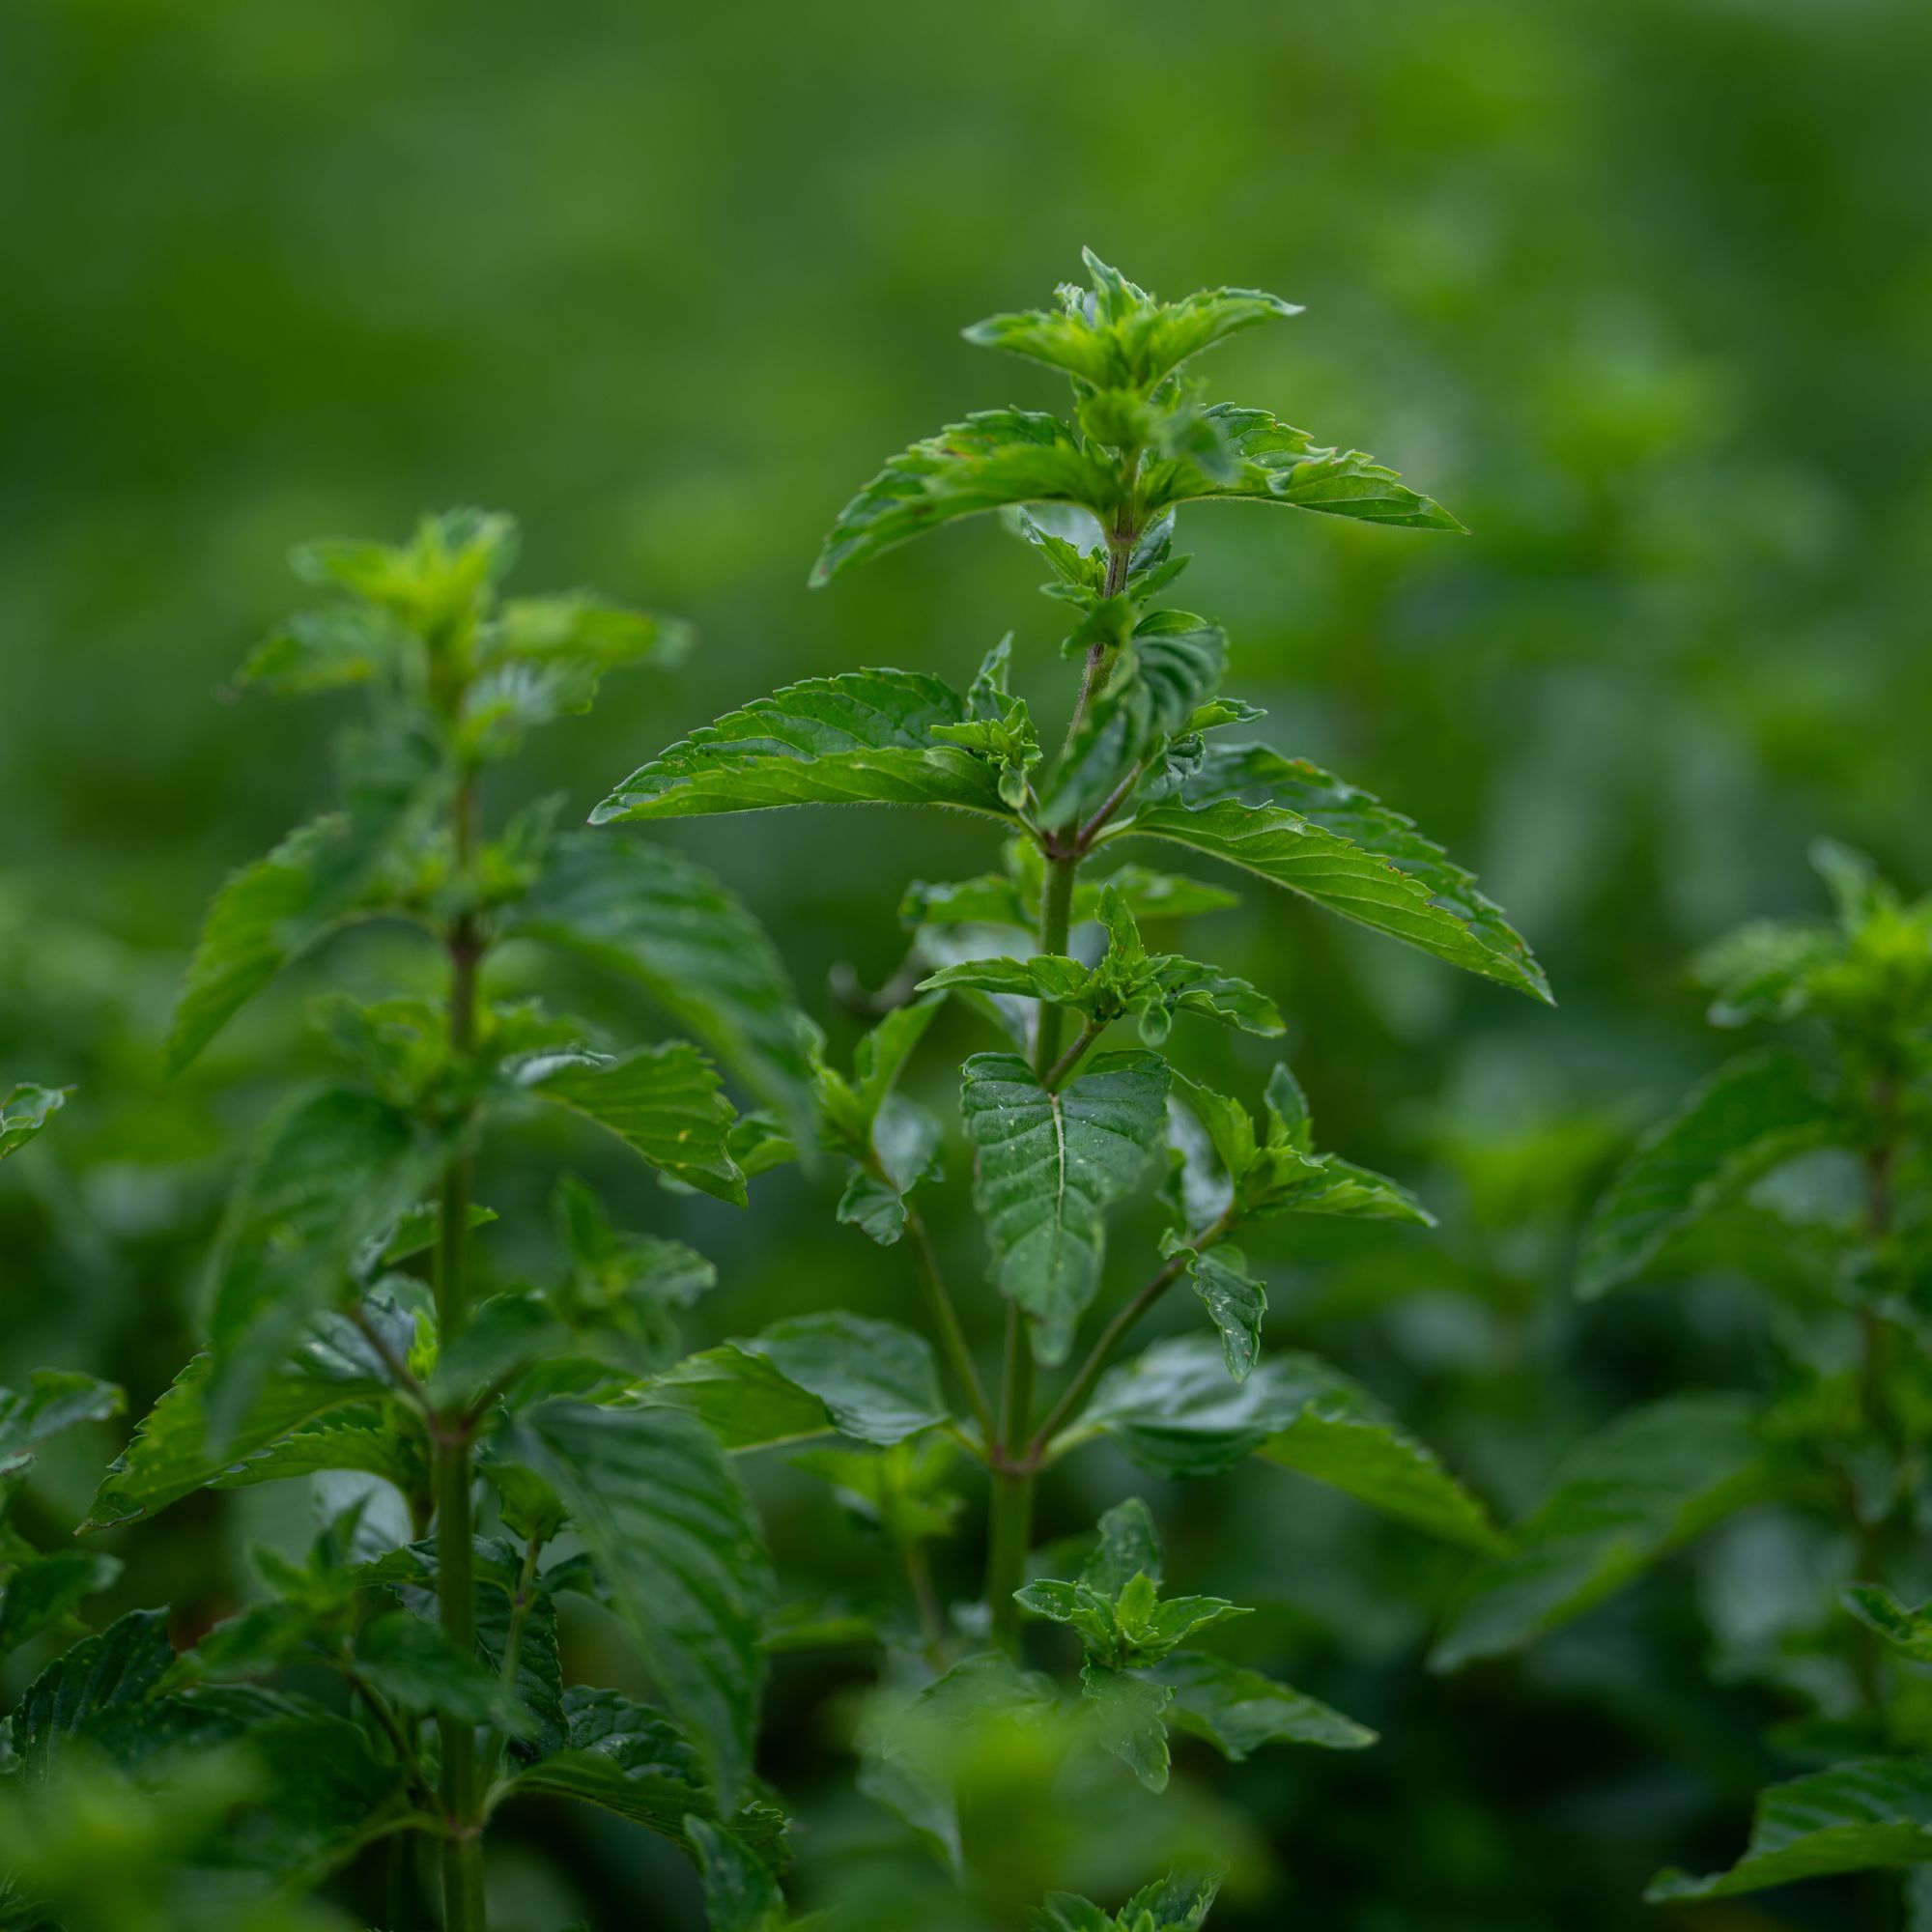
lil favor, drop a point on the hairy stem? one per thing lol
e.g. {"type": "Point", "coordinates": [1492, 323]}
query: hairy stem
{"type": "Point", "coordinates": [1111, 1337]}
{"type": "Point", "coordinates": [455, 1532]}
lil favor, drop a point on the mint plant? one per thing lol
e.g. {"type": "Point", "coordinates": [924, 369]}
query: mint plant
{"type": "Point", "coordinates": [1052, 952]}
{"type": "Point", "coordinates": [1802, 1167]}
{"type": "Point", "coordinates": [456, 1419]}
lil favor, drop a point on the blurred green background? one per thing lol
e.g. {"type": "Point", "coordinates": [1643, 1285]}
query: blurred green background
{"type": "Point", "coordinates": [1643, 288]}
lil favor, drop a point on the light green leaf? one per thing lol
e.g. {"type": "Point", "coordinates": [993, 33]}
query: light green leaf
{"type": "Point", "coordinates": [1262, 459]}
{"type": "Point", "coordinates": [1619, 1502]}
{"type": "Point", "coordinates": [679, 1547]}
{"type": "Point", "coordinates": [1748, 1118]}
{"type": "Point", "coordinates": [1128, 1715]}
{"type": "Point", "coordinates": [1872, 1813]}
{"type": "Point", "coordinates": [1118, 337]}
{"type": "Point", "coordinates": [1173, 1412]}
{"type": "Point", "coordinates": [667, 925]}
{"type": "Point", "coordinates": [25, 1112]}
{"type": "Point", "coordinates": [663, 1102]}
{"type": "Point", "coordinates": [317, 878]}
{"type": "Point", "coordinates": [994, 458]}
{"type": "Point", "coordinates": [327, 649]}
{"type": "Point", "coordinates": [871, 1380]}
{"type": "Point", "coordinates": [1128, 1547]}
{"type": "Point", "coordinates": [1237, 1711]}
{"type": "Point", "coordinates": [860, 738]}
{"type": "Point", "coordinates": [1235, 1301]}
{"type": "Point", "coordinates": [1049, 1166]}
{"type": "Point", "coordinates": [1301, 828]}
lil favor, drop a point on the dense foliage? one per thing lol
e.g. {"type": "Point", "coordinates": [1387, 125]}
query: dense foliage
{"type": "Point", "coordinates": [1633, 289]}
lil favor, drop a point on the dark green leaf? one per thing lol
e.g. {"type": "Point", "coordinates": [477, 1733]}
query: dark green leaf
{"type": "Point", "coordinates": [1748, 1117]}
{"type": "Point", "coordinates": [1235, 1301]}
{"type": "Point", "coordinates": [677, 1544]}
{"type": "Point", "coordinates": [669, 926]}
{"type": "Point", "coordinates": [1874, 1814]}
{"type": "Point", "coordinates": [869, 1379]}
{"type": "Point", "coordinates": [40, 1593]}
{"type": "Point", "coordinates": [97, 1676]}
{"type": "Point", "coordinates": [1264, 461]}
{"type": "Point", "coordinates": [334, 1170]}
{"type": "Point", "coordinates": [56, 1400]}
{"type": "Point", "coordinates": [635, 1761]}
{"type": "Point", "coordinates": [994, 458]}
{"type": "Point", "coordinates": [1619, 1502]}
{"type": "Point", "coordinates": [1908, 1632]}
{"type": "Point", "coordinates": [415, 1667]}
{"type": "Point", "coordinates": [1298, 826]}
{"type": "Point", "coordinates": [318, 877]}
{"type": "Point", "coordinates": [740, 1893]}
{"type": "Point", "coordinates": [663, 1102]}
{"type": "Point", "coordinates": [1237, 1711]}
{"type": "Point", "coordinates": [1049, 1165]}
{"type": "Point", "coordinates": [863, 738]}
{"type": "Point", "coordinates": [1173, 1413]}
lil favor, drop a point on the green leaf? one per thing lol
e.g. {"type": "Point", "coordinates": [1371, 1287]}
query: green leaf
{"type": "Point", "coordinates": [1872, 1813]}
{"type": "Point", "coordinates": [1172, 665]}
{"type": "Point", "coordinates": [1298, 826]}
{"type": "Point", "coordinates": [334, 1170]}
{"type": "Point", "coordinates": [630, 1760]}
{"type": "Point", "coordinates": [860, 738]}
{"type": "Point", "coordinates": [1049, 1165]}
{"type": "Point", "coordinates": [1128, 1547]}
{"type": "Point", "coordinates": [25, 1112]}
{"type": "Point", "coordinates": [1908, 1632]}
{"type": "Point", "coordinates": [1120, 337]}
{"type": "Point", "coordinates": [40, 1593]}
{"type": "Point", "coordinates": [170, 1456]}
{"type": "Point", "coordinates": [1263, 460]}
{"type": "Point", "coordinates": [96, 1677]}
{"type": "Point", "coordinates": [328, 649]}
{"type": "Point", "coordinates": [56, 1400]}
{"type": "Point", "coordinates": [1173, 1413]}
{"type": "Point", "coordinates": [1128, 1714]}
{"type": "Point", "coordinates": [677, 1544]}
{"type": "Point", "coordinates": [1179, 1902]}
{"type": "Point", "coordinates": [994, 458]}
{"type": "Point", "coordinates": [663, 1102]}
{"type": "Point", "coordinates": [1619, 1502]}
{"type": "Point", "coordinates": [1237, 1711]}
{"type": "Point", "coordinates": [873, 1381]}
{"type": "Point", "coordinates": [668, 925]}
{"type": "Point", "coordinates": [414, 1667]}
{"type": "Point", "coordinates": [740, 1893]}
{"type": "Point", "coordinates": [1748, 1117]}
{"type": "Point", "coordinates": [1235, 1301]}
{"type": "Point", "coordinates": [320, 877]}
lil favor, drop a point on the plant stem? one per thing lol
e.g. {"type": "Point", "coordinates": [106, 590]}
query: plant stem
{"type": "Point", "coordinates": [1116, 1332]}
{"type": "Point", "coordinates": [953, 1337]}
{"type": "Point", "coordinates": [926, 1600]}
{"type": "Point", "coordinates": [455, 1553]}
{"type": "Point", "coordinates": [1010, 1529]}
{"type": "Point", "coordinates": [1056, 1075]}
